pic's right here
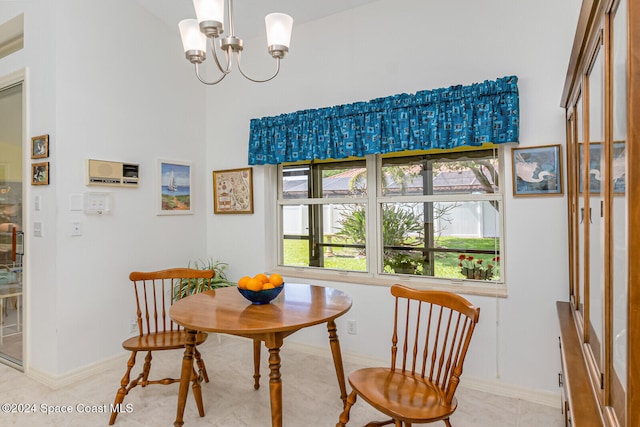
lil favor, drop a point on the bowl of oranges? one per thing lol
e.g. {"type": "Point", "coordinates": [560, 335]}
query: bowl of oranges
{"type": "Point", "coordinates": [261, 289]}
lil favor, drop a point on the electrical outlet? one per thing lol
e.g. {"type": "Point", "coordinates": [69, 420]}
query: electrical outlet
{"type": "Point", "coordinates": [76, 228]}
{"type": "Point", "coordinates": [351, 327]}
{"type": "Point", "coordinates": [134, 326]}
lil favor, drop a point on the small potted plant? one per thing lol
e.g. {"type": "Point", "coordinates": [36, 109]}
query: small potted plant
{"type": "Point", "coordinates": [476, 269]}
{"type": "Point", "coordinates": [192, 286]}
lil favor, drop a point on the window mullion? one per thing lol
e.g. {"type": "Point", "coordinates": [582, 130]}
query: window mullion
{"type": "Point", "coordinates": [374, 242]}
{"type": "Point", "coordinates": [325, 201]}
{"type": "Point", "coordinates": [441, 198]}
{"type": "Point", "coordinates": [427, 190]}
{"type": "Point", "coordinates": [316, 220]}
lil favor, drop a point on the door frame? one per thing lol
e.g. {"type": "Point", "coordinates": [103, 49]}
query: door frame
{"type": "Point", "coordinates": [20, 77]}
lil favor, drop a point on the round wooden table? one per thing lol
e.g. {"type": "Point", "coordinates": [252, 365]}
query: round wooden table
{"type": "Point", "coordinates": [225, 311]}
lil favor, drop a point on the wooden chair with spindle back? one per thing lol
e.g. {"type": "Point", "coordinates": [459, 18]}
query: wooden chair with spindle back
{"type": "Point", "coordinates": [431, 335]}
{"type": "Point", "coordinates": [155, 292]}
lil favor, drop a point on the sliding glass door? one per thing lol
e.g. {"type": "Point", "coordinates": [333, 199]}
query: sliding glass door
{"type": "Point", "coordinates": [11, 224]}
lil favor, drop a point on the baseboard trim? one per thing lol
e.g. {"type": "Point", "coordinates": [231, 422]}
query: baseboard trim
{"type": "Point", "coordinates": [59, 381]}
{"type": "Point", "coordinates": [540, 397]}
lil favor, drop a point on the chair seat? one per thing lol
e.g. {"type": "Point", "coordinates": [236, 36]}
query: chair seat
{"type": "Point", "coordinates": [401, 396]}
{"type": "Point", "coordinates": [161, 341]}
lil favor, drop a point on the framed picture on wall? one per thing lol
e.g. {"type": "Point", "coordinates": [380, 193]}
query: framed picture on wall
{"type": "Point", "coordinates": [40, 173]}
{"type": "Point", "coordinates": [233, 191]}
{"type": "Point", "coordinates": [40, 147]}
{"type": "Point", "coordinates": [537, 171]}
{"type": "Point", "coordinates": [175, 184]}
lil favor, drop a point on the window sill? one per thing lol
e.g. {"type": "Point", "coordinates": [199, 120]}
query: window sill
{"type": "Point", "coordinates": [463, 287]}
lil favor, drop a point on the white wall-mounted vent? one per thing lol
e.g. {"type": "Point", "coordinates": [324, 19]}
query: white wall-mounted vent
{"type": "Point", "coordinates": [101, 172]}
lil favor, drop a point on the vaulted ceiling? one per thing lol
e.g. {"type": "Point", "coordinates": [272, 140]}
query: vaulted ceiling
{"type": "Point", "coordinates": [249, 14]}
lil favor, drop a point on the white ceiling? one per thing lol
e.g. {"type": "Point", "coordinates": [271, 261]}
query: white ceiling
{"type": "Point", "coordinates": [252, 12]}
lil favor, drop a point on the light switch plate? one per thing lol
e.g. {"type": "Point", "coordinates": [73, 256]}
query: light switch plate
{"type": "Point", "coordinates": [38, 229]}
{"type": "Point", "coordinates": [96, 202]}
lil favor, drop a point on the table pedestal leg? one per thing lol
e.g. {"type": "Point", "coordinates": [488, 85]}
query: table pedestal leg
{"type": "Point", "coordinates": [275, 386]}
{"type": "Point", "coordinates": [186, 375]}
{"type": "Point", "coordinates": [256, 363]}
{"type": "Point", "coordinates": [337, 359]}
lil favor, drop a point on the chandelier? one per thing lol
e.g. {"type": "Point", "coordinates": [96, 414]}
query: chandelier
{"type": "Point", "coordinates": [210, 25]}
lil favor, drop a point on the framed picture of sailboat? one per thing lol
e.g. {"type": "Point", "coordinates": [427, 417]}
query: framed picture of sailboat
{"type": "Point", "coordinates": [174, 188]}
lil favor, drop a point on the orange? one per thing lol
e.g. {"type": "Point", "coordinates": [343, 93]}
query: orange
{"type": "Point", "coordinates": [262, 277]}
{"type": "Point", "coordinates": [242, 283]}
{"type": "Point", "coordinates": [276, 280]}
{"type": "Point", "coordinates": [254, 285]}
{"type": "Point", "coordinates": [268, 286]}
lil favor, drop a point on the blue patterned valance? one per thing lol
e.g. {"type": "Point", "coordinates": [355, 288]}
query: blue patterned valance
{"type": "Point", "coordinates": [441, 118]}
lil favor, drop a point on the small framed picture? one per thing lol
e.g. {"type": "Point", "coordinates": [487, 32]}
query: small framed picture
{"type": "Point", "coordinates": [175, 184]}
{"type": "Point", "coordinates": [537, 171]}
{"type": "Point", "coordinates": [40, 147]}
{"type": "Point", "coordinates": [40, 173]}
{"type": "Point", "coordinates": [233, 191]}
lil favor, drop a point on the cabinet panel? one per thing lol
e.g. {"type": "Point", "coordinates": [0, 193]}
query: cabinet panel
{"type": "Point", "coordinates": [580, 212]}
{"type": "Point", "coordinates": [619, 203]}
{"type": "Point", "coordinates": [574, 232]}
{"type": "Point", "coordinates": [594, 201]}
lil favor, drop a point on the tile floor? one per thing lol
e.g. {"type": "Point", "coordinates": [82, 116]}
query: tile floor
{"type": "Point", "coordinates": [310, 396]}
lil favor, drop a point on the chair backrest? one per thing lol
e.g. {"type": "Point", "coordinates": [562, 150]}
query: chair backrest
{"type": "Point", "coordinates": [432, 331]}
{"type": "Point", "coordinates": [157, 290]}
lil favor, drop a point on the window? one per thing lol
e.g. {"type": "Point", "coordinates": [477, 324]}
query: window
{"type": "Point", "coordinates": [315, 199]}
{"type": "Point", "coordinates": [435, 214]}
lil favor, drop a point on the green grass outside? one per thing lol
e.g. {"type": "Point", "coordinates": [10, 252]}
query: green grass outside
{"type": "Point", "coordinates": [296, 253]}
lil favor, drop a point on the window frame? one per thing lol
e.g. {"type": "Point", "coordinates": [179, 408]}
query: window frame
{"type": "Point", "coordinates": [374, 259]}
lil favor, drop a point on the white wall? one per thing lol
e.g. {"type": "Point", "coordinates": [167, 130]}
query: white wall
{"type": "Point", "coordinates": [100, 96]}
{"type": "Point", "coordinates": [125, 99]}
{"type": "Point", "coordinates": [394, 46]}
{"type": "Point", "coordinates": [35, 62]}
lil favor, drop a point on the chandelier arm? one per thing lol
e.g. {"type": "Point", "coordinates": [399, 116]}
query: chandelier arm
{"type": "Point", "coordinates": [206, 82]}
{"type": "Point", "coordinates": [255, 80]}
{"type": "Point", "coordinates": [223, 70]}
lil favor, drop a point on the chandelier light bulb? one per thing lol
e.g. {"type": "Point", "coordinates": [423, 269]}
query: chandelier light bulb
{"type": "Point", "coordinates": [193, 41]}
{"type": "Point", "coordinates": [279, 26]}
{"type": "Point", "coordinates": [209, 10]}
{"type": "Point", "coordinates": [210, 14]}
